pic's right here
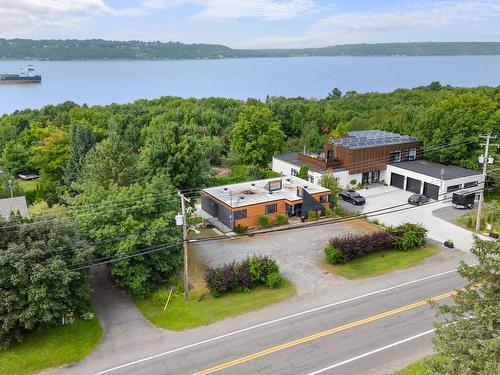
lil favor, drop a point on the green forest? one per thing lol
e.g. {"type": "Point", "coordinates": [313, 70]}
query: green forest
{"type": "Point", "coordinates": [110, 175]}
{"type": "Point", "coordinates": [98, 49]}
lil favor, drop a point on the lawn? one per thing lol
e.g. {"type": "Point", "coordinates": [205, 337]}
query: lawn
{"type": "Point", "coordinates": [383, 262]}
{"type": "Point", "coordinates": [51, 347]}
{"type": "Point", "coordinates": [202, 309]}
{"type": "Point", "coordinates": [27, 185]}
{"type": "Point", "coordinates": [417, 368]}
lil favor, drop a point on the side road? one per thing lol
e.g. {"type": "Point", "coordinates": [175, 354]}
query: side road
{"type": "Point", "coordinates": [128, 337]}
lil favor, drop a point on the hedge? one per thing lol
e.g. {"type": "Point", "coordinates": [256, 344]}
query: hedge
{"type": "Point", "coordinates": [404, 237]}
{"type": "Point", "coordinates": [243, 275]}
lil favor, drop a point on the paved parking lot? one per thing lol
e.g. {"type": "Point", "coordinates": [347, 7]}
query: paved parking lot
{"type": "Point", "coordinates": [389, 205]}
{"type": "Point", "coordinates": [298, 252]}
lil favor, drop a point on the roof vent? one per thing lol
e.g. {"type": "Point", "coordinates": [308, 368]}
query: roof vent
{"type": "Point", "coordinates": [270, 192]}
{"type": "Point", "coordinates": [225, 189]}
{"type": "Point", "coordinates": [288, 179]}
{"type": "Point", "coordinates": [253, 184]}
{"type": "Point", "coordinates": [242, 197]}
{"type": "Point", "coordinates": [305, 187]}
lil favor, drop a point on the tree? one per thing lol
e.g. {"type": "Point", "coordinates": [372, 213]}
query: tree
{"type": "Point", "coordinates": [112, 161]}
{"type": "Point", "coordinates": [174, 149]}
{"type": "Point", "coordinates": [329, 181]}
{"type": "Point", "coordinates": [16, 158]}
{"type": "Point", "coordinates": [334, 94]}
{"type": "Point", "coordinates": [303, 172]}
{"type": "Point", "coordinates": [38, 280]}
{"type": "Point", "coordinates": [456, 122]}
{"type": "Point", "coordinates": [51, 155]}
{"type": "Point", "coordinates": [126, 220]}
{"type": "Point", "coordinates": [467, 341]}
{"type": "Point", "coordinates": [81, 142]}
{"type": "Point", "coordinates": [255, 137]}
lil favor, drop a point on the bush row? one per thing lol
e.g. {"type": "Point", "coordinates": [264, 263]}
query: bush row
{"type": "Point", "coordinates": [265, 221]}
{"type": "Point", "coordinates": [244, 275]}
{"type": "Point", "coordinates": [404, 237]}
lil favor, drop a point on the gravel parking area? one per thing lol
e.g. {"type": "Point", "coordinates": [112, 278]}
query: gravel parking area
{"type": "Point", "coordinates": [298, 252]}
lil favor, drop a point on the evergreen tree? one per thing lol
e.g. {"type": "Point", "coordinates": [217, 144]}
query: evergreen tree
{"type": "Point", "coordinates": [81, 142]}
{"type": "Point", "coordinates": [468, 342]}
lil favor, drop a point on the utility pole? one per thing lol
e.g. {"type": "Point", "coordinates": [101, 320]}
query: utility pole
{"type": "Point", "coordinates": [10, 188]}
{"type": "Point", "coordinates": [184, 245]}
{"type": "Point", "coordinates": [485, 167]}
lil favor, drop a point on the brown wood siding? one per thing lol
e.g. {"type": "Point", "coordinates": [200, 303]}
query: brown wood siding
{"type": "Point", "coordinates": [254, 211]}
{"type": "Point", "coordinates": [372, 158]}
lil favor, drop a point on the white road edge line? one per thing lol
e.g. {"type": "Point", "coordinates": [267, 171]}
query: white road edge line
{"type": "Point", "coordinates": [216, 338]}
{"type": "Point", "coordinates": [371, 352]}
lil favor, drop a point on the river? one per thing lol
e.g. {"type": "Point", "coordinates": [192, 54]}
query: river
{"type": "Point", "coordinates": [104, 82]}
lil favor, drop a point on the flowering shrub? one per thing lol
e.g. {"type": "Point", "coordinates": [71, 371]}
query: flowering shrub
{"type": "Point", "coordinates": [242, 276]}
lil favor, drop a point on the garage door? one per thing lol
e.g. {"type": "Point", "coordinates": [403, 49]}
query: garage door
{"type": "Point", "coordinates": [397, 180]}
{"type": "Point", "coordinates": [413, 185]}
{"type": "Point", "coordinates": [431, 190]}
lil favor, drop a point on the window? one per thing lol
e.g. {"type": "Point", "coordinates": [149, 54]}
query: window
{"type": "Point", "coordinates": [241, 214]}
{"type": "Point", "coordinates": [294, 172]}
{"type": "Point", "coordinates": [412, 154]}
{"type": "Point", "coordinates": [394, 156]}
{"type": "Point", "coordinates": [311, 179]}
{"type": "Point", "coordinates": [453, 188]}
{"type": "Point", "coordinates": [275, 185]}
{"type": "Point", "coordinates": [470, 184]}
{"type": "Point", "coordinates": [271, 208]}
{"type": "Point", "coordinates": [324, 198]}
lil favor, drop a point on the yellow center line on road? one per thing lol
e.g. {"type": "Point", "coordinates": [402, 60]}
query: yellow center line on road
{"type": "Point", "coordinates": [318, 335]}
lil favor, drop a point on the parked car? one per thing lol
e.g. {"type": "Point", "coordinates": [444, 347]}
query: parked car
{"type": "Point", "coordinates": [418, 199]}
{"type": "Point", "coordinates": [352, 197]}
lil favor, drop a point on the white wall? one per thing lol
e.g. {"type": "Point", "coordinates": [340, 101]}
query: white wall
{"type": "Point", "coordinates": [285, 168]}
{"type": "Point", "coordinates": [443, 184]}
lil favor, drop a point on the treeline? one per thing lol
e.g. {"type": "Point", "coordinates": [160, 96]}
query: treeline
{"type": "Point", "coordinates": [98, 49]}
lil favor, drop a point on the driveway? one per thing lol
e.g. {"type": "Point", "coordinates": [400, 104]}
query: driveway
{"type": "Point", "coordinates": [298, 252]}
{"type": "Point", "coordinates": [380, 197]}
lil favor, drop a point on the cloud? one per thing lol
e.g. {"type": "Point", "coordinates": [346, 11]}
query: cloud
{"type": "Point", "coordinates": [272, 10]}
{"type": "Point", "coordinates": [417, 18]}
{"type": "Point", "coordinates": [20, 16]}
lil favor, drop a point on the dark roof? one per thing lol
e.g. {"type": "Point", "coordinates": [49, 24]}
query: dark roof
{"type": "Point", "coordinates": [372, 138]}
{"type": "Point", "coordinates": [432, 169]}
{"type": "Point", "coordinates": [293, 158]}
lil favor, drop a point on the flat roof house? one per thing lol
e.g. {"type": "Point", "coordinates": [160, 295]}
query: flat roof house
{"type": "Point", "coordinates": [244, 203]}
{"type": "Point", "coordinates": [360, 156]}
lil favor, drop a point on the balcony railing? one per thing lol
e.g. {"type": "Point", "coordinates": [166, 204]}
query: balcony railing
{"type": "Point", "coordinates": [319, 160]}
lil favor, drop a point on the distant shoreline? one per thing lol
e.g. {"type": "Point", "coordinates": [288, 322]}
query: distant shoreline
{"type": "Point", "coordinates": [103, 50]}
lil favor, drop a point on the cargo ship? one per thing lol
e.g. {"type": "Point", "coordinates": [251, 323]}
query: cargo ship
{"type": "Point", "coordinates": [26, 76]}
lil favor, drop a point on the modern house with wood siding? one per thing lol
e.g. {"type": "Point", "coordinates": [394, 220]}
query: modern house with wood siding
{"type": "Point", "coordinates": [244, 203]}
{"type": "Point", "coordinates": [360, 156]}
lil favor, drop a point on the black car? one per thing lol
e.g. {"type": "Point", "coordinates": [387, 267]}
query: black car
{"type": "Point", "coordinates": [418, 199]}
{"type": "Point", "coordinates": [353, 197]}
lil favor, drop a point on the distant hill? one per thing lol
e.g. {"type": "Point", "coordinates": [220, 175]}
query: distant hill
{"type": "Point", "coordinates": [98, 49]}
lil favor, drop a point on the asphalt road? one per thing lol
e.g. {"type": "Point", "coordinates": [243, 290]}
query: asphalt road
{"type": "Point", "coordinates": [362, 335]}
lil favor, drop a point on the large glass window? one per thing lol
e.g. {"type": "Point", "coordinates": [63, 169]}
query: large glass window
{"type": "Point", "coordinates": [324, 198]}
{"type": "Point", "coordinates": [412, 154]}
{"type": "Point", "coordinates": [311, 179]}
{"type": "Point", "coordinates": [453, 188]}
{"type": "Point", "coordinates": [271, 208]}
{"type": "Point", "coordinates": [394, 156]}
{"type": "Point", "coordinates": [294, 172]}
{"type": "Point", "coordinates": [470, 184]}
{"type": "Point", "coordinates": [240, 214]}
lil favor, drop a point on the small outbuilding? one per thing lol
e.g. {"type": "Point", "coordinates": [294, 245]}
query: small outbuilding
{"type": "Point", "coordinates": [434, 180]}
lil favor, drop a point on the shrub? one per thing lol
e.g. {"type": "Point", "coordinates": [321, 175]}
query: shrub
{"type": "Point", "coordinates": [281, 219]}
{"type": "Point", "coordinates": [409, 236]}
{"type": "Point", "coordinates": [242, 276]}
{"type": "Point", "coordinates": [88, 315]}
{"type": "Point", "coordinates": [328, 212]}
{"type": "Point", "coordinates": [470, 222]}
{"type": "Point", "coordinates": [264, 221]}
{"type": "Point", "coordinates": [311, 215]}
{"type": "Point", "coordinates": [333, 255]}
{"type": "Point", "coordinates": [240, 229]}
{"type": "Point", "coordinates": [355, 246]}
{"type": "Point", "coordinates": [274, 280]}
{"type": "Point", "coordinates": [342, 212]}
{"type": "Point", "coordinates": [353, 182]}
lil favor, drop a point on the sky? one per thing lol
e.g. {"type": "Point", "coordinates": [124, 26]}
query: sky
{"type": "Point", "coordinates": [253, 23]}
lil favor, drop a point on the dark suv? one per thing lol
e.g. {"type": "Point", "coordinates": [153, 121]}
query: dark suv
{"type": "Point", "coordinates": [353, 197]}
{"type": "Point", "coordinates": [418, 199]}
